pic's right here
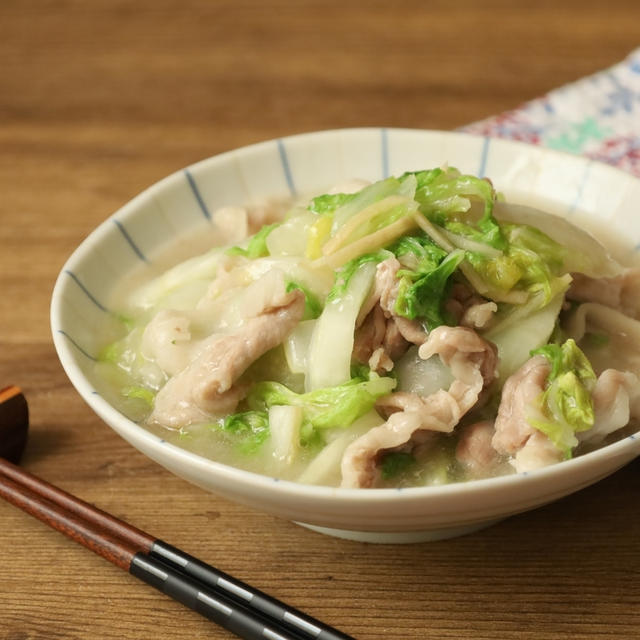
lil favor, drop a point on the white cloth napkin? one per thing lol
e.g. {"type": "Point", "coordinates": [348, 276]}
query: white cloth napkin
{"type": "Point", "coordinates": [597, 116]}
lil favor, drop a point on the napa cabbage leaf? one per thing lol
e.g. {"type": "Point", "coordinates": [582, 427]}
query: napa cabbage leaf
{"type": "Point", "coordinates": [424, 279]}
{"type": "Point", "coordinates": [257, 244]}
{"type": "Point", "coordinates": [566, 403]}
{"type": "Point", "coordinates": [326, 408]}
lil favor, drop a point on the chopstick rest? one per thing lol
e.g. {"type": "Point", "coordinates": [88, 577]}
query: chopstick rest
{"type": "Point", "coordinates": [233, 604]}
{"type": "Point", "coordinates": [14, 423]}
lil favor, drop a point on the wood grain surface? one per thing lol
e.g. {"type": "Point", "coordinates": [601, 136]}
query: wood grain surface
{"type": "Point", "coordinates": [99, 99]}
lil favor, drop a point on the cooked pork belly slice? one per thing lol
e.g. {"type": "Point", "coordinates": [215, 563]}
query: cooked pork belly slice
{"type": "Point", "coordinates": [519, 394]}
{"type": "Point", "coordinates": [616, 399]}
{"type": "Point", "coordinates": [176, 405]}
{"type": "Point", "coordinates": [528, 447]}
{"type": "Point", "coordinates": [387, 284]}
{"type": "Point", "coordinates": [475, 451]}
{"type": "Point", "coordinates": [472, 362]}
{"type": "Point", "coordinates": [620, 292]}
{"type": "Point", "coordinates": [464, 352]}
{"type": "Point", "coordinates": [226, 279]}
{"type": "Point", "coordinates": [167, 340]}
{"type": "Point", "coordinates": [378, 342]}
{"type": "Point", "coordinates": [436, 411]}
{"type": "Point", "coordinates": [205, 387]}
{"type": "Point", "coordinates": [411, 330]}
{"type": "Point", "coordinates": [380, 362]}
{"type": "Point", "coordinates": [479, 315]}
{"type": "Point", "coordinates": [538, 451]}
{"type": "Point", "coordinates": [382, 335]}
{"type": "Point", "coordinates": [468, 308]}
{"type": "Point", "coordinates": [386, 292]}
{"type": "Point", "coordinates": [369, 335]}
{"type": "Point", "coordinates": [393, 342]}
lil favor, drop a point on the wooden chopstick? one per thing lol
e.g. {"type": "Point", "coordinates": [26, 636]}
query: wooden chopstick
{"type": "Point", "coordinates": [244, 610]}
{"type": "Point", "coordinates": [224, 611]}
{"type": "Point", "coordinates": [142, 542]}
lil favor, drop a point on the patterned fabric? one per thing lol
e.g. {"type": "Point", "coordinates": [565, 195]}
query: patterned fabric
{"type": "Point", "coordinates": [597, 116]}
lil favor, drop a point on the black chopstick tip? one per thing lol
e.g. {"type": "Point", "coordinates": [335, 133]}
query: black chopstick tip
{"type": "Point", "coordinates": [217, 607]}
{"type": "Point", "coordinates": [281, 614]}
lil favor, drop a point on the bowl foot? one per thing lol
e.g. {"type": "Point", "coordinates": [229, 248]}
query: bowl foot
{"type": "Point", "coordinates": [401, 537]}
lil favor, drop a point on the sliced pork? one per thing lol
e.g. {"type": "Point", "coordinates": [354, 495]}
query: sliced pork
{"type": "Point", "coordinates": [616, 399]}
{"type": "Point", "coordinates": [382, 336]}
{"type": "Point", "coordinates": [378, 342]}
{"type": "Point", "coordinates": [468, 308]}
{"type": "Point", "coordinates": [538, 451]}
{"type": "Point", "coordinates": [472, 362]}
{"type": "Point", "coordinates": [386, 291]}
{"type": "Point", "coordinates": [206, 386]}
{"type": "Point", "coordinates": [620, 292]}
{"type": "Point", "coordinates": [519, 394]}
{"type": "Point", "coordinates": [527, 447]}
{"type": "Point", "coordinates": [167, 340]}
{"type": "Point", "coordinates": [475, 450]}
{"type": "Point", "coordinates": [479, 315]}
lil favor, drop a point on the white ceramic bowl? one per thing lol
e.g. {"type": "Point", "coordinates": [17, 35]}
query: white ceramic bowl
{"type": "Point", "coordinates": [182, 203]}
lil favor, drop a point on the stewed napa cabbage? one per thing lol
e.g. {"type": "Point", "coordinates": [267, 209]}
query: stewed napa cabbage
{"type": "Point", "coordinates": [417, 330]}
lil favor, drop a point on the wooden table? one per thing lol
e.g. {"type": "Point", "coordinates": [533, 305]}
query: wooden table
{"type": "Point", "coordinates": [98, 100]}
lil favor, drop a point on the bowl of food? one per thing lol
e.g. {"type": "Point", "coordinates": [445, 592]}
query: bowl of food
{"type": "Point", "coordinates": [382, 334]}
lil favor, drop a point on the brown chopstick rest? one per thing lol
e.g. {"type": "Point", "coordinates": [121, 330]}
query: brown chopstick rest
{"type": "Point", "coordinates": [14, 423]}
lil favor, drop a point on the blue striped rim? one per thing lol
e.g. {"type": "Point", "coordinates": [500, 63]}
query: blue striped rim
{"type": "Point", "coordinates": [384, 150]}
{"type": "Point", "coordinates": [77, 346]}
{"type": "Point", "coordinates": [86, 291]}
{"type": "Point", "coordinates": [548, 107]}
{"type": "Point", "coordinates": [196, 192]}
{"type": "Point", "coordinates": [286, 167]}
{"type": "Point", "coordinates": [583, 182]}
{"type": "Point", "coordinates": [484, 154]}
{"type": "Point", "coordinates": [129, 239]}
